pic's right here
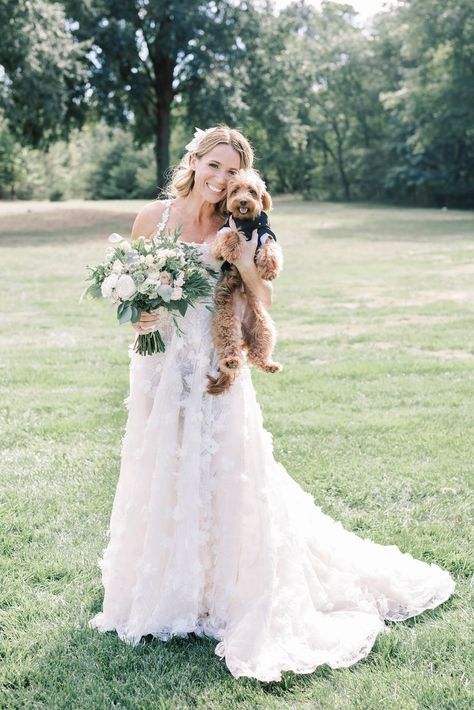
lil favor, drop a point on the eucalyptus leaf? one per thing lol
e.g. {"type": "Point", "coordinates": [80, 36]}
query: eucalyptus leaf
{"type": "Point", "coordinates": [136, 314]}
{"type": "Point", "coordinates": [182, 307]}
{"type": "Point", "coordinates": [126, 313]}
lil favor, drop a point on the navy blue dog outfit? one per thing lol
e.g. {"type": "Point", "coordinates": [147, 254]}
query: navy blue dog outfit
{"type": "Point", "coordinates": [260, 223]}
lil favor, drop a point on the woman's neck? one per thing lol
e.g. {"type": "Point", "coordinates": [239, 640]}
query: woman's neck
{"type": "Point", "coordinates": [195, 210]}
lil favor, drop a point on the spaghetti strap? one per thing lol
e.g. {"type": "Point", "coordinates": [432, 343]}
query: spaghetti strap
{"type": "Point", "coordinates": [164, 219]}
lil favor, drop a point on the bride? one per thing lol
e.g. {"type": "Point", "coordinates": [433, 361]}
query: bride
{"type": "Point", "coordinates": [208, 533]}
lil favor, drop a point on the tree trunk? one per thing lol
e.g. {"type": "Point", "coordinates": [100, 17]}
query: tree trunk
{"type": "Point", "coordinates": [340, 164]}
{"type": "Point", "coordinates": [162, 142]}
{"type": "Point", "coordinates": [164, 69]}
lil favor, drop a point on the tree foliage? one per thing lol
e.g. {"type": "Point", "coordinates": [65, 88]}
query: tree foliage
{"type": "Point", "coordinates": [431, 110]}
{"type": "Point", "coordinates": [148, 56]}
{"type": "Point", "coordinates": [334, 110]}
{"type": "Point", "coordinates": [41, 71]}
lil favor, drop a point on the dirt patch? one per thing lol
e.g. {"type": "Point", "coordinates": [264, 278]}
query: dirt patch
{"type": "Point", "coordinates": [441, 354]}
{"type": "Point", "coordinates": [438, 354]}
{"type": "Point", "coordinates": [372, 299]}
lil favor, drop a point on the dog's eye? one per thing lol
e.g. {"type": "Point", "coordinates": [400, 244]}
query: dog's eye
{"type": "Point", "coordinates": [252, 192]}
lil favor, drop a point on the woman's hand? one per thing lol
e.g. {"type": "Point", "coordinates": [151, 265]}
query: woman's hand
{"type": "Point", "coordinates": [148, 323]}
{"type": "Point", "coordinates": [248, 248]}
{"type": "Point", "coordinates": [263, 290]}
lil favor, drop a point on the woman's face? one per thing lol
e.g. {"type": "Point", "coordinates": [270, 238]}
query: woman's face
{"type": "Point", "coordinates": [213, 170]}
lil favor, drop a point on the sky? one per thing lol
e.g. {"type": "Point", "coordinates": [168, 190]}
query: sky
{"type": "Point", "coordinates": [366, 8]}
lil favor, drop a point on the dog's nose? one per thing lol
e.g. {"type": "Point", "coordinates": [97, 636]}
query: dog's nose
{"type": "Point", "coordinates": [243, 202]}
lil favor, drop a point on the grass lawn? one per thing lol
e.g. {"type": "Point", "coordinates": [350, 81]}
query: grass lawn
{"type": "Point", "coordinates": [373, 414]}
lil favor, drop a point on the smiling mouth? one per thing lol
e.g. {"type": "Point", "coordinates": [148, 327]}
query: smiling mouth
{"type": "Point", "coordinates": [243, 210]}
{"type": "Point", "coordinates": [214, 189]}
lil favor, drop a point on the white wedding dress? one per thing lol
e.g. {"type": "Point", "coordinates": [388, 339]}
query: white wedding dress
{"type": "Point", "coordinates": [210, 535]}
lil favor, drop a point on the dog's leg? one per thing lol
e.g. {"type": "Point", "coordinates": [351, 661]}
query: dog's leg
{"type": "Point", "coordinates": [219, 242]}
{"type": "Point", "coordinates": [219, 384]}
{"type": "Point", "coordinates": [226, 331]}
{"type": "Point", "coordinates": [269, 260]}
{"type": "Point", "coordinates": [232, 246]}
{"type": "Point", "coordinates": [228, 334]}
{"type": "Point", "coordinates": [259, 336]}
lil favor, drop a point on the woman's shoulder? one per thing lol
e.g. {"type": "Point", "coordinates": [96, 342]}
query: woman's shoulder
{"type": "Point", "coordinates": [148, 218]}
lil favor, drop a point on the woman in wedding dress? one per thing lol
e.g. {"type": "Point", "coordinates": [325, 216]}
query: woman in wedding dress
{"type": "Point", "coordinates": [208, 533]}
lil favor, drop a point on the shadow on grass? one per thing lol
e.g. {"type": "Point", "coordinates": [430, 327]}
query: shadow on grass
{"type": "Point", "coordinates": [400, 230]}
{"type": "Point", "coordinates": [67, 226]}
{"type": "Point", "coordinates": [88, 670]}
{"type": "Point", "coordinates": [81, 668]}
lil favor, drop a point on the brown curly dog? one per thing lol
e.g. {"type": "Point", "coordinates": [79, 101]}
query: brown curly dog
{"type": "Point", "coordinates": [240, 320]}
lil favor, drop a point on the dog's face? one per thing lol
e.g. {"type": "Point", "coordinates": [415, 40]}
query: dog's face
{"type": "Point", "coordinates": [247, 195]}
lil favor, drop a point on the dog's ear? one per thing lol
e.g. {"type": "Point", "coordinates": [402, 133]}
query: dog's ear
{"type": "Point", "coordinates": [266, 201]}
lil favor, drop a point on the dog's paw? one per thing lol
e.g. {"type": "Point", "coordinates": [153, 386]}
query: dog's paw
{"type": "Point", "coordinates": [231, 363]}
{"type": "Point", "coordinates": [272, 367]}
{"type": "Point", "coordinates": [232, 247]}
{"type": "Point", "coordinates": [269, 261]}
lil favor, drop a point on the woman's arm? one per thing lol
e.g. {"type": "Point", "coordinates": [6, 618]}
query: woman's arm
{"type": "Point", "coordinates": [262, 289]}
{"type": "Point", "coordinates": [145, 225]}
{"type": "Point", "coordinates": [147, 219]}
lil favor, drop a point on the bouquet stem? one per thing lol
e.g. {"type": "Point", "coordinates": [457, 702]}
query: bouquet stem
{"type": "Point", "coordinates": [149, 344]}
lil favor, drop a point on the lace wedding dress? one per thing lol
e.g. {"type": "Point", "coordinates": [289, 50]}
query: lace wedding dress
{"type": "Point", "coordinates": [209, 534]}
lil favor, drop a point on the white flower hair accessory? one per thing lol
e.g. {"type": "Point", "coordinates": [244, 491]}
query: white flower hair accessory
{"type": "Point", "coordinates": [198, 135]}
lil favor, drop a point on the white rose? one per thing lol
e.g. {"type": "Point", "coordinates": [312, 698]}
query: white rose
{"type": "Point", "coordinates": [115, 238]}
{"type": "Point", "coordinates": [148, 286]}
{"type": "Point", "coordinates": [165, 292]}
{"type": "Point", "coordinates": [149, 259]}
{"type": "Point", "coordinates": [154, 277]}
{"type": "Point", "coordinates": [117, 266]}
{"type": "Point", "coordinates": [177, 293]}
{"type": "Point", "coordinates": [126, 287]}
{"type": "Point", "coordinates": [108, 285]}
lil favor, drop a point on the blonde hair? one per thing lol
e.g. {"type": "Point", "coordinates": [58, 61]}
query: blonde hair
{"type": "Point", "coordinates": [181, 180]}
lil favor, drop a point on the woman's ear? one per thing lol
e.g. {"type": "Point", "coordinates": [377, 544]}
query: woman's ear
{"type": "Point", "coordinates": [266, 201]}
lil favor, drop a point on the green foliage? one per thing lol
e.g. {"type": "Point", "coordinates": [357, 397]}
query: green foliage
{"type": "Point", "coordinates": [41, 71]}
{"type": "Point", "coordinates": [119, 168]}
{"type": "Point", "coordinates": [432, 109]}
{"type": "Point", "coordinates": [146, 56]}
{"type": "Point", "coordinates": [334, 110]}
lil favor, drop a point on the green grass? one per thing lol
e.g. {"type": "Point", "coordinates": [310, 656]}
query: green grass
{"type": "Point", "coordinates": [373, 414]}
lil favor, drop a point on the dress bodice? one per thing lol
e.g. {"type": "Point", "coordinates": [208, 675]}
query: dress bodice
{"type": "Point", "coordinates": [204, 247]}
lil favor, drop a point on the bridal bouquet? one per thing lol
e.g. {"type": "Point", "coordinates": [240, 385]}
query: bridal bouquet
{"type": "Point", "coordinates": [145, 275]}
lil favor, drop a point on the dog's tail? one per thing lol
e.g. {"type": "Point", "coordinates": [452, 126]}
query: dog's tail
{"type": "Point", "coordinates": [220, 384]}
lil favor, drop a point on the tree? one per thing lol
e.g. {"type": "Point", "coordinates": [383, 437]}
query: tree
{"type": "Point", "coordinates": [40, 72]}
{"type": "Point", "coordinates": [431, 108]}
{"type": "Point", "coordinates": [148, 57]}
{"type": "Point", "coordinates": [333, 93]}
